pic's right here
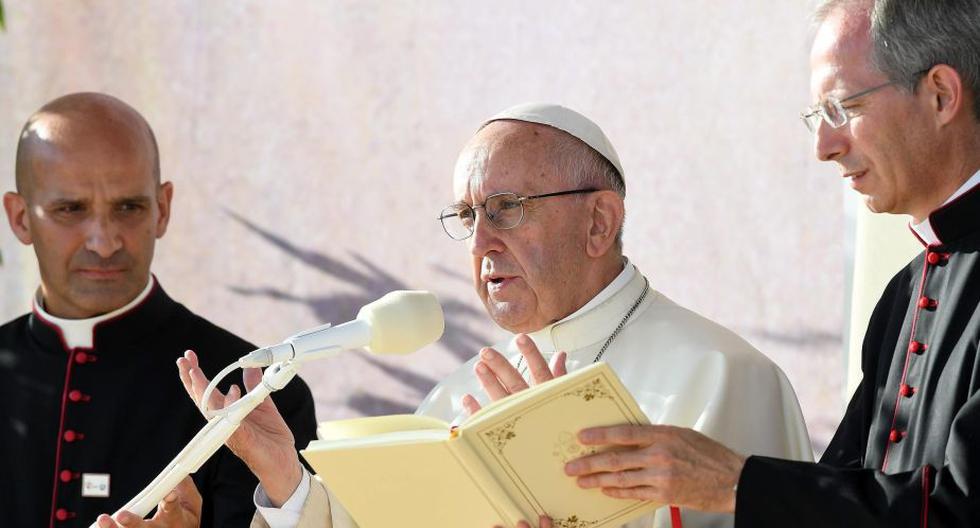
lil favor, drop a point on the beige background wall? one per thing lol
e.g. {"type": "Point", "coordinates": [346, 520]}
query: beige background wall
{"type": "Point", "coordinates": [311, 146]}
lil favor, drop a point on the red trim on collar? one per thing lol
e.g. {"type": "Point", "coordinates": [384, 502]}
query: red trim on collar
{"type": "Point", "coordinates": [950, 203]}
{"type": "Point", "coordinates": [947, 205]}
{"type": "Point", "coordinates": [61, 335]}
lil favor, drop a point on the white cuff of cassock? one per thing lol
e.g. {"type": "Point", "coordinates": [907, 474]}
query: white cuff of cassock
{"type": "Point", "coordinates": [288, 515]}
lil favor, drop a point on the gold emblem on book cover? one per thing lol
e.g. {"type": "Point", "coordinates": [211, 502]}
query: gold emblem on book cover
{"type": "Point", "coordinates": [595, 389]}
{"type": "Point", "coordinates": [573, 522]}
{"type": "Point", "coordinates": [502, 434]}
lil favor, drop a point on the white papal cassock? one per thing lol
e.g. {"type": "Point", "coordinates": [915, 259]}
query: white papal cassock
{"type": "Point", "coordinates": [682, 368]}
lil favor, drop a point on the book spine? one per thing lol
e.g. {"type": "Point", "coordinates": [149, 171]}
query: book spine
{"type": "Point", "coordinates": [478, 472]}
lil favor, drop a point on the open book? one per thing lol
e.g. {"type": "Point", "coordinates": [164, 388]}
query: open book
{"type": "Point", "coordinates": [503, 464]}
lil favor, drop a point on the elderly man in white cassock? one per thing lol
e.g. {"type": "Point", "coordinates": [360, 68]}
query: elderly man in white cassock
{"type": "Point", "coordinates": [539, 204]}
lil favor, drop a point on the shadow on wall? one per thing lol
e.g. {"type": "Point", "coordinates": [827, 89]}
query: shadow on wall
{"type": "Point", "coordinates": [371, 282]}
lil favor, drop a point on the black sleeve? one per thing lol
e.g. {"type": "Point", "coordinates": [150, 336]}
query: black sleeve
{"type": "Point", "coordinates": [846, 449]}
{"type": "Point", "coordinates": [773, 492]}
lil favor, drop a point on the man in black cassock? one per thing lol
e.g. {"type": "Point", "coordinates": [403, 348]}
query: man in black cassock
{"type": "Point", "coordinates": [897, 85]}
{"type": "Point", "coordinates": [92, 408]}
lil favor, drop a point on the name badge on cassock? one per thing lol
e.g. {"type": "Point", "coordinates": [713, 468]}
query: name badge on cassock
{"type": "Point", "coordinates": [95, 484]}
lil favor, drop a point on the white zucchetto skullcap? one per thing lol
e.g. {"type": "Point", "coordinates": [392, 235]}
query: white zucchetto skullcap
{"type": "Point", "coordinates": [566, 120]}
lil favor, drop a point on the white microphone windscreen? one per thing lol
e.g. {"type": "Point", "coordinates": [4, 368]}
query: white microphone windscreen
{"type": "Point", "coordinates": [403, 321]}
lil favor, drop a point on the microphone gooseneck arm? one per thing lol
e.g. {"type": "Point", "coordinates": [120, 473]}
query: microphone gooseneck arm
{"type": "Point", "coordinates": [398, 323]}
{"type": "Point", "coordinates": [207, 441]}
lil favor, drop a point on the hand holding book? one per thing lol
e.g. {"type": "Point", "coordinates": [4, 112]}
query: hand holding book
{"type": "Point", "coordinates": [661, 463]}
{"type": "Point", "coordinates": [501, 466]}
{"type": "Point", "coordinates": [500, 379]}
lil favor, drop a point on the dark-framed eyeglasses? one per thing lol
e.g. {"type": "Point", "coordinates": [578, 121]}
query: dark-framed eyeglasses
{"type": "Point", "coordinates": [503, 210]}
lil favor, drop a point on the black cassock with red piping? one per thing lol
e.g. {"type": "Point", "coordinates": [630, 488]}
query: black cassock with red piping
{"type": "Point", "coordinates": [79, 424]}
{"type": "Point", "coordinates": [907, 453]}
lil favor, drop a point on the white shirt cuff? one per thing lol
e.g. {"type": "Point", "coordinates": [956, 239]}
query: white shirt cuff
{"type": "Point", "coordinates": [288, 515]}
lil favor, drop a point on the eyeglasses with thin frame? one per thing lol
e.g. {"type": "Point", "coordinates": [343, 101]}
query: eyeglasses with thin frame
{"type": "Point", "coordinates": [834, 113]}
{"type": "Point", "coordinates": [503, 210]}
{"type": "Point", "coordinates": [832, 109]}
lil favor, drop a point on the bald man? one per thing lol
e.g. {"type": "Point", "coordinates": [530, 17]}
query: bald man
{"type": "Point", "coordinates": [92, 410]}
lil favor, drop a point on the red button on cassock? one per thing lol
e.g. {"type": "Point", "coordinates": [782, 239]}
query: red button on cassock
{"type": "Point", "coordinates": [78, 396]}
{"type": "Point", "coordinates": [63, 515]}
{"type": "Point", "coordinates": [65, 475]}
{"type": "Point", "coordinates": [916, 347]}
{"type": "Point", "coordinates": [896, 436]}
{"type": "Point", "coordinates": [935, 259]}
{"type": "Point", "coordinates": [925, 302]}
{"type": "Point", "coordinates": [71, 436]}
{"type": "Point", "coordinates": [81, 358]}
{"type": "Point", "coordinates": [907, 390]}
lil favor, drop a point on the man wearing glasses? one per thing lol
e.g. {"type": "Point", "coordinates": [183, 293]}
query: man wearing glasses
{"type": "Point", "coordinates": [898, 82]}
{"type": "Point", "coordinates": [539, 203]}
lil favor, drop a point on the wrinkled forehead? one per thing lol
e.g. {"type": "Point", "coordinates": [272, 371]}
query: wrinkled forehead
{"type": "Point", "coordinates": [505, 156]}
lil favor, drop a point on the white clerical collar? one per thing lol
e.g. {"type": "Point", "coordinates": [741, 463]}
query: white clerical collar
{"type": "Point", "coordinates": [924, 228]}
{"type": "Point", "coordinates": [596, 319]}
{"type": "Point", "coordinates": [629, 270]}
{"type": "Point", "coordinates": [80, 333]}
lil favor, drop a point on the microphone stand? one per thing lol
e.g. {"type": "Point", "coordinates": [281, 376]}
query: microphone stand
{"type": "Point", "coordinates": [211, 437]}
{"type": "Point", "coordinates": [395, 308]}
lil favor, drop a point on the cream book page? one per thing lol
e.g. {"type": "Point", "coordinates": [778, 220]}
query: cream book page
{"type": "Point", "coordinates": [525, 440]}
{"type": "Point", "coordinates": [410, 478]}
{"type": "Point", "coordinates": [503, 464]}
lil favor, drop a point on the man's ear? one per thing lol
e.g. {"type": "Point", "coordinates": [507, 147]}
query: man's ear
{"type": "Point", "coordinates": [607, 212]}
{"type": "Point", "coordinates": [943, 87]}
{"type": "Point", "coordinates": [16, 207]}
{"type": "Point", "coordinates": [164, 197]}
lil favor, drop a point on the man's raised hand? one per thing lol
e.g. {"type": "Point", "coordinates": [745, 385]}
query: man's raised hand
{"type": "Point", "coordinates": [263, 441]}
{"type": "Point", "coordinates": [500, 379]}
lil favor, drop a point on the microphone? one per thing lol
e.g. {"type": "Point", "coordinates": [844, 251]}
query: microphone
{"type": "Point", "coordinates": [401, 322]}
{"type": "Point", "coordinates": [398, 323]}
